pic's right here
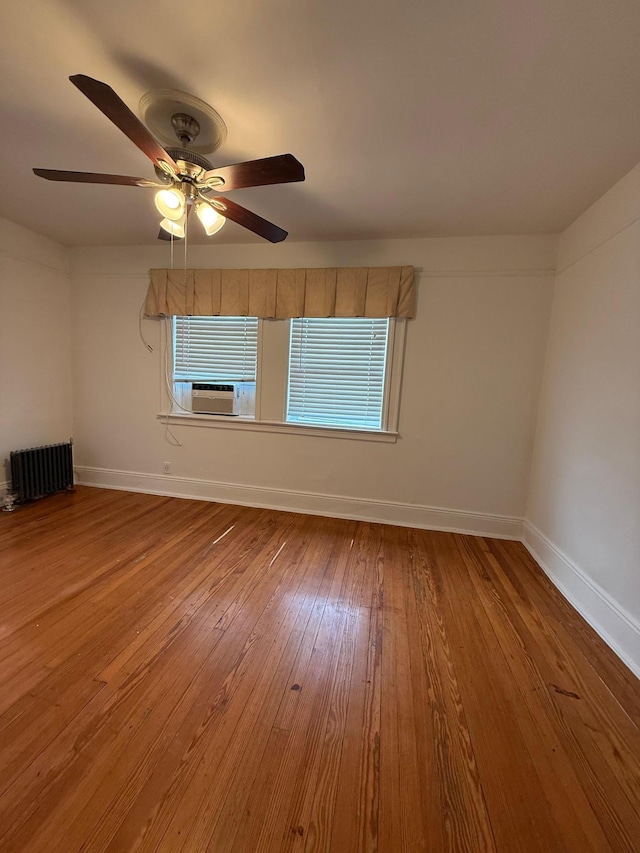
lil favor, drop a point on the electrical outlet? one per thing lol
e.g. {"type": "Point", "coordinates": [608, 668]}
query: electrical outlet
{"type": "Point", "coordinates": [166, 467]}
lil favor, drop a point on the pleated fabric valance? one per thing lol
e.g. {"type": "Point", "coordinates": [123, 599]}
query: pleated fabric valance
{"type": "Point", "coordinates": [282, 294]}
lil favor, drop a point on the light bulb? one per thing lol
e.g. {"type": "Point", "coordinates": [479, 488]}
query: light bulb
{"type": "Point", "coordinates": [174, 227]}
{"type": "Point", "coordinates": [210, 218]}
{"type": "Point", "coordinates": [170, 203]}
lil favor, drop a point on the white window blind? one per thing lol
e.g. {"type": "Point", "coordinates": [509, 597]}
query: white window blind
{"type": "Point", "coordinates": [215, 348]}
{"type": "Point", "coordinates": [337, 371]}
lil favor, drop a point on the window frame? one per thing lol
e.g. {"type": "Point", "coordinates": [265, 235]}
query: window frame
{"type": "Point", "coordinates": [271, 388]}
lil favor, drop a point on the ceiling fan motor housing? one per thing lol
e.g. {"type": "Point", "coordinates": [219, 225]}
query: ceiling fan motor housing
{"type": "Point", "coordinates": [191, 165]}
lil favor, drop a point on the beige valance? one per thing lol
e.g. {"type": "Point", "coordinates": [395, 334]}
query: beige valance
{"type": "Point", "coordinates": [283, 293]}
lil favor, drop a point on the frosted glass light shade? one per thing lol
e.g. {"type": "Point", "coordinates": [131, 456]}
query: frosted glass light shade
{"type": "Point", "coordinates": [210, 218]}
{"type": "Point", "coordinates": [170, 203]}
{"type": "Point", "coordinates": [176, 228]}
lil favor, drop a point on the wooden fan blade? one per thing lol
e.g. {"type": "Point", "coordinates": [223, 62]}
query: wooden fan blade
{"type": "Point", "coordinates": [282, 169]}
{"type": "Point", "coordinates": [230, 210]}
{"type": "Point", "coordinates": [115, 109]}
{"type": "Point", "coordinates": [89, 178]}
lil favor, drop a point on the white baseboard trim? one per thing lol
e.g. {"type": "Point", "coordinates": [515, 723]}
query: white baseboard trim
{"type": "Point", "coordinates": [619, 629]}
{"type": "Point", "coordinates": [334, 506]}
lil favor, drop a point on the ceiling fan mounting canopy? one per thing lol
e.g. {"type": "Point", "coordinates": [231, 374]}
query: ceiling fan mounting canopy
{"type": "Point", "coordinates": [162, 111]}
{"type": "Point", "coordinates": [186, 127]}
{"type": "Point", "coordinates": [184, 171]}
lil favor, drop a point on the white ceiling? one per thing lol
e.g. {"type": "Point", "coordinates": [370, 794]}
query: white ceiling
{"type": "Point", "coordinates": [413, 118]}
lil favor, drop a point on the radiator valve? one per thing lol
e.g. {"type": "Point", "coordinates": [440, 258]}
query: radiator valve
{"type": "Point", "coordinates": [9, 503]}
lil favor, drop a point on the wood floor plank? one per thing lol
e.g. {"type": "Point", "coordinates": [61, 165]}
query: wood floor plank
{"type": "Point", "coordinates": [575, 820]}
{"type": "Point", "coordinates": [512, 787]}
{"type": "Point", "coordinates": [355, 819]}
{"type": "Point", "coordinates": [302, 713]}
{"type": "Point", "coordinates": [253, 778]}
{"type": "Point", "coordinates": [258, 710]}
{"type": "Point", "coordinates": [568, 625]}
{"type": "Point", "coordinates": [64, 780]}
{"type": "Point", "coordinates": [409, 802]}
{"type": "Point", "coordinates": [180, 675]}
{"type": "Point", "coordinates": [213, 721]}
{"type": "Point", "coordinates": [584, 729]}
{"type": "Point", "coordinates": [458, 777]}
{"type": "Point", "coordinates": [312, 808]}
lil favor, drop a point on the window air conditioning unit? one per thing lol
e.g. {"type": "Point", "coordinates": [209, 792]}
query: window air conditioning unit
{"type": "Point", "coordinates": [222, 398]}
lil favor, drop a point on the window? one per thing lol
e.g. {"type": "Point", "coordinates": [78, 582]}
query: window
{"type": "Point", "coordinates": [214, 365]}
{"type": "Point", "coordinates": [215, 348]}
{"type": "Point", "coordinates": [337, 371]}
{"type": "Point", "coordinates": [300, 375]}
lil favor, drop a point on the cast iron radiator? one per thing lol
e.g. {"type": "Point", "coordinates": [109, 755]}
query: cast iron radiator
{"type": "Point", "coordinates": [41, 471]}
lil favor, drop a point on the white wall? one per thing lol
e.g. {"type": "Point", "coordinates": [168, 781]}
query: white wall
{"type": "Point", "coordinates": [583, 518]}
{"type": "Point", "coordinates": [35, 342]}
{"type": "Point", "coordinates": [472, 376]}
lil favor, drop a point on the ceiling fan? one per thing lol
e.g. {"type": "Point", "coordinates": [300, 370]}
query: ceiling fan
{"type": "Point", "coordinates": [185, 179]}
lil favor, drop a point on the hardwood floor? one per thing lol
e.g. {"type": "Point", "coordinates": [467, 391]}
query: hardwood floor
{"type": "Point", "coordinates": [188, 676]}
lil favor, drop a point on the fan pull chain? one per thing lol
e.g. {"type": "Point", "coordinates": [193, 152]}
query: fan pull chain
{"type": "Point", "coordinates": [186, 233]}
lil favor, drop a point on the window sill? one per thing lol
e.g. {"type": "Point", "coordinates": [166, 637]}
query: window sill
{"type": "Point", "coordinates": [232, 422]}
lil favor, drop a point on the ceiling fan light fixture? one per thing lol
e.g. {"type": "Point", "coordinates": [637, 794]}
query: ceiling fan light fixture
{"type": "Point", "coordinates": [184, 175]}
{"type": "Point", "coordinates": [211, 220]}
{"type": "Point", "coordinates": [175, 227]}
{"type": "Point", "coordinates": [171, 203]}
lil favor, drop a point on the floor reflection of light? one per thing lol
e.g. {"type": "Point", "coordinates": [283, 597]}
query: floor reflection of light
{"type": "Point", "coordinates": [332, 605]}
{"type": "Point", "coordinates": [222, 535]}
{"type": "Point", "coordinates": [275, 556]}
